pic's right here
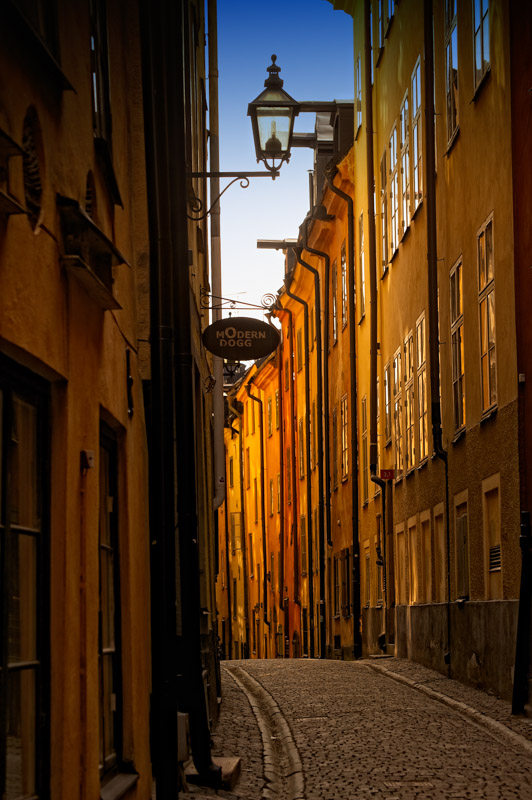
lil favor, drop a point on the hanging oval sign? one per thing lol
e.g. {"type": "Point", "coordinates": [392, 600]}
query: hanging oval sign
{"type": "Point", "coordinates": [241, 338]}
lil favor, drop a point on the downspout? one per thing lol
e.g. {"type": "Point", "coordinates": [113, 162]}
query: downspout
{"type": "Point", "coordinates": [281, 471]}
{"type": "Point", "coordinates": [262, 507]}
{"type": "Point", "coordinates": [178, 675]}
{"type": "Point", "coordinates": [327, 448]}
{"type": "Point", "coordinates": [357, 636]}
{"type": "Point", "coordinates": [374, 346]}
{"type": "Point", "coordinates": [319, 433]}
{"type": "Point", "coordinates": [432, 259]}
{"type": "Point", "coordinates": [228, 574]}
{"type": "Point", "coordinates": [307, 452]}
{"type": "Point", "coordinates": [216, 259]}
{"type": "Point", "coordinates": [292, 466]}
{"type": "Point", "coordinates": [239, 415]}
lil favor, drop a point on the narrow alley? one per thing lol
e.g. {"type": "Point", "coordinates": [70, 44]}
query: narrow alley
{"type": "Point", "coordinates": [384, 728]}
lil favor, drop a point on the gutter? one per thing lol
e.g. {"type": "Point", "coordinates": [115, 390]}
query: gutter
{"type": "Point", "coordinates": [319, 434]}
{"type": "Point", "coordinates": [357, 634]}
{"type": "Point", "coordinates": [307, 452]}
{"type": "Point", "coordinates": [216, 258]}
{"type": "Point", "coordinates": [432, 265]}
{"type": "Point", "coordinates": [262, 508]}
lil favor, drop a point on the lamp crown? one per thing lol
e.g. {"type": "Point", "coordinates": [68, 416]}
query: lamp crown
{"type": "Point", "coordinates": [273, 81]}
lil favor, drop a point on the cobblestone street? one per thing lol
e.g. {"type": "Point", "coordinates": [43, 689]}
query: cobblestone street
{"type": "Point", "coordinates": [383, 728]}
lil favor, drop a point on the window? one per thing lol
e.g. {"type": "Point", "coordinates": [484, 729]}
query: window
{"type": "Point", "coordinates": [272, 573]}
{"type": "Point", "coordinates": [378, 427]}
{"type": "Point", "coordinates": [440, 556]}
{"type": "Point", "coordinates": [343, 263]}
{"type": "Point", "coordinates": [334, 457]}
{"type": "Point", "coordinates": [301, 441]}
{"type": "Point", "coordinates": [334, 280]}
{"type": "Point", "coordinates": [311, 435]}
{"type": "Point", "coordinates": [413, 561]}
{"type": "Point", "coordinates": [362, 265]}
{"type": "Point", "coordinates": [222, 568]}
{"type": "Point", "coordinates": [271, 497]}
{"type": "Point", "coordinates": [304, 625]}
{"type": "Point", "coordinates": [384, 214]}
{"type": "Point", "coordinates": [278, 493]}
{"type": "Point", "coordinates": [304, 545]}
{"type": "Point", "coordinates": [462, 545]}
{"type": "Point", "coordinates": [416, 134]}
{"type": "Point", "coordinates": [231, 472]}
{"type": "Point", "coordinates": [358, 104]}
{"type": "Point", "coordinates": [398, 414]}
{"type": "Point", "coordinates": [422, 406]}
{"type": "Point", "coordinates": [299, 348]}
{"type": "Point", "coordinates": [24, 731]}
{"type": "Point", "coordinates": [404, 122]}
{"type": "Point", "coordinates": [346, 582]}
{"type": "Point", "coordinates": [233, 534]}
{"type": "Point", "coordinates": [367, 578]}
{"type": "Point", "coordinates": [451, 67]}
{"type": "Point", "coordinates": [481, 32]}
{"type": "Point", "coordinates": [235, 598]}
{"type": "Point", "coordinates": [457, 344]}
{"type": "Point", "coordinates": [344, 421]}
{"type": "Point", "coordinates": [425, 563]}
{"type": "Point", "coordinates": [337, 585]}
{"type": "Point", "coordinates": [487, 316]}
{"type": "Point", "coordinates": [256, 499]}
{"type": "Point", "coordinates": [400, 565]}
{"type": "Point", "coordinates": [394, 193]}
{"type": "Point", "coordinates": [277, 409]}
{"type": "Point", "coordinates": [387, 403]}
{"type": "Point", "coordinates": [288, 475]}
{"type": "Point", "coordinates": [409, 402]}
{"type": "Point", "coordinates": [109, 639]}
{"type": "Point", "coordinates": [251, 573]}
{"type": "Point", "coordinates": [364, 425]}
{"type": "Point", "coordinates": [491, 513]}
{"type": "Point", "coordinates": [269, 416]}
{"type": "Point", "coordinates": [248, 469]}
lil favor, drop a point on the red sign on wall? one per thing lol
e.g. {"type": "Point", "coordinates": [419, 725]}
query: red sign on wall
{"type": "Point", "coordinates": [387, 474]}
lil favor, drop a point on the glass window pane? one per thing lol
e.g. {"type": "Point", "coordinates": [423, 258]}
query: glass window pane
{"type": "Point", "coordinates": [489, 253]}
{"type": "Point", "coordinates": [491, 319]}
{"type": "Point", "coordinates": [486, 41]}
{"type": "Point", "coordinates": [24, 498]}
{"type": "Point", "coordinates": [20, 735]}
{"type": "Point", "coordinates": [22, 598]}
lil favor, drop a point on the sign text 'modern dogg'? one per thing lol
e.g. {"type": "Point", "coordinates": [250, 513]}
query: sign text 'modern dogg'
{"type": "Point", "coordinates": [241, 338]}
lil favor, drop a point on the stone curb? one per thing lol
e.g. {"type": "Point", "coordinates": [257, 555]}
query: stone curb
{"type": "Point", "coordinates": [273, 725]}
{"type": "Point", "coordinates": [497, 728]}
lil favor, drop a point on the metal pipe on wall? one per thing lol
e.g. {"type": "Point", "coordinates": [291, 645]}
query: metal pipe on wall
{"type": "Point", "coordinates": [307, 452]}
{"type": "Point", "coordinates": [357, 634]}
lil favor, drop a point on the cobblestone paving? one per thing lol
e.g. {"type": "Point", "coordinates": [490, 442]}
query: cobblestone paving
{"type": "Point", "coordinates": [368, 730]}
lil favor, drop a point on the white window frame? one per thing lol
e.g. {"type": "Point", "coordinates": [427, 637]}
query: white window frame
{"type": "Point", "coordinates": [481, 40]}
{"type": "Point", "coordinates": [417, 139]}
{"type": "Point", "coordinates": [457, 344]}
{"type": "Point", "coordinates": [451, 68]}
{"type": "Point", "coordinates": [409, 445]}
{"type": "Point", "coordinates": [398, 413]}
{"type": "Point", "coordinates": [487, 328]}
{"type": "Point", "coordinates": [394, 193]}
{"type": "Point", "coordinates": [345, 439]}
{"type": "Point", "coordinates": [422, 403]}
{"type": "Point", "coordinates": [404, 132]}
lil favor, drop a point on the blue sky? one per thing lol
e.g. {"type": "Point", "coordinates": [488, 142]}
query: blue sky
{"type": "Point", "coordinates": [314, 48]}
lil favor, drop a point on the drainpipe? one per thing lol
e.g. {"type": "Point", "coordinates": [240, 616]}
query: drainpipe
{"type": "Point", "coordinates": [239, 416]}
{"type": "Point", "coordinates": [374, 346]}
{"type": "Point", "coordinates": [262, 508]}
{"type": "Point", "coordinates": [432, 259]}
{"type": "Point", "coordinates": [281, 472]}
{"type": "Point", "coordinates": [216, 258]}
{"type": "Point", "coordinates": [319, 434]}
{"type": "Point", "coordinates": [357, 636]}
{"type": "Point", "coordinates": [178, 676]}
{"type": "Point", "coordinates": [292, 466]}
{"type": "Point", "coordinates": [307, 452]}
{"type": "Point", "coordinates": [326, 293]}
{"type": "Point", "coordinates": [228, 574]}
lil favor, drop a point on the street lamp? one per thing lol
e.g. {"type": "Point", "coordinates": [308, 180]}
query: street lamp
{"type": "Point", "coordinates": [272, 119]}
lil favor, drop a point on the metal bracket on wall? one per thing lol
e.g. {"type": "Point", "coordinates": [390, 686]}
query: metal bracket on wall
{"type": "Point", "coordinates": [197, 205]}
{"type": "Point", "coordinates": [267, 301]}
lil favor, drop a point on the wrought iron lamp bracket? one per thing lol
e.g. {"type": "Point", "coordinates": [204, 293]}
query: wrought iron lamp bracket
{"type": "Point", "coordinates": [196, 203]}
{"type": "Point", "coordinates": [267, 301]}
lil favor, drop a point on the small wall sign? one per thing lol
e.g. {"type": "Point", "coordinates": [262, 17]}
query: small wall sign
{"type": "Point", "coordinates": [241, 338]}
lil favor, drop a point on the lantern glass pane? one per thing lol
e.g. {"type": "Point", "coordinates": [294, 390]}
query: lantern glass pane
{"type": "Point", "coordinates": [274, 129]}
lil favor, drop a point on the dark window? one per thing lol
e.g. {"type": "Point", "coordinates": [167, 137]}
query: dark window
{"type": "Point", "coordinates": [109, 639]}
{"type": "Point", "coordinates": [25, 587]}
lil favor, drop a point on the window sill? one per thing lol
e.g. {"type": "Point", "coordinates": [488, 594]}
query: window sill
{"type": "Point", "coordinates": [488, 414]}
{"type": "Point", "coordinates": [423, 464]}
{"type": "Point", "coordinates": [405, 233]}
{"type": "Point", "coordinates": [394, 255]}
{"type": "Point", "coordinates": [410, 472]}
{"type": "Point", "coordinates": [398, 479]}
{"type": "Point", "coordinates": [452, 140]}
{"type": "Point", "coordinates": [482, 82]}
{"type": "Point", "coordinates": [460, 433]}
{"type": "Point", "coordinates": [416, 209]}
{"type": "Point", "coordinates": [384, 272]}
{"type": "Point", "coordinates": [362, 318]}
{"type": "Point", "coordinates": [388, 443]}
{"type": "Point", "coordinates": [118, 786]}
{"type": "Point", "coordinates": [87, 278]}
